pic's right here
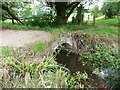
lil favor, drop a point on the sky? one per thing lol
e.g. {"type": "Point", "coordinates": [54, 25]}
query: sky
{"type": "Point", "coordinates": [100, 3]}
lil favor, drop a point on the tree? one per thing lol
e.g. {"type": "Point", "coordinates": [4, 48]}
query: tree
{"type": "Point", "coordinates": [63, 10]}
{"type": "Point", "coordinates": [79, 19]}
{"type": "Point", "coordinates": [79, 16]}
{"type": "Point", "coordinates": [95, 12]}
{"type": "Point", "coordinates": [111, 9]}
{"type": "Point", "coordinates": [12, 10]}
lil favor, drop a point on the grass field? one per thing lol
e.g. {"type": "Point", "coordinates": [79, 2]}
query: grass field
{"type": "Point", "coordinates": [107, 21]}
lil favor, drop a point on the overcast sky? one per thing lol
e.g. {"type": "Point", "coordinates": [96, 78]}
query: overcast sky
{"type": "Point", "coordinates": [100, 3]}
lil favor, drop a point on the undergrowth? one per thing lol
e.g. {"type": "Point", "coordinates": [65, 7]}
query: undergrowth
{"type": "Point", "coordinates": [43, 73]}
{"type": "Point", "coordinates": [39, 47]}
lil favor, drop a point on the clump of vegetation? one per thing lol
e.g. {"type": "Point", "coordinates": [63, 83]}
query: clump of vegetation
{"type": "Point", "coordinates": [111, 9]}
{"type": "Point", "coordinates": [5, 51]}
{"type": "Point", "coordinates": [39, 47]}
{"type": "Point", "coordinates": [99, 52]}
{"type": "Point", "coordinates": [41, 20]}
{"type": "Point", "coordinates": [45, 73]}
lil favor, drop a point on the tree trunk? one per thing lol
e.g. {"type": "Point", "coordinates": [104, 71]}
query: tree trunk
{"type": "Point", "coordinates": [63, 11]}
{"type": "Point", "coordinates": [60, 11]}
{"type": "Point", "coordinates": [94, 21]}
{"type": "Point", "coordinates": [13, 21]}
{"type": "Point", "coordinates": [79, 16]}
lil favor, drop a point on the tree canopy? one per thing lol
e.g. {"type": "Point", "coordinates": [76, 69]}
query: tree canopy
{"type": "Point", "coordinates": [111, 9]}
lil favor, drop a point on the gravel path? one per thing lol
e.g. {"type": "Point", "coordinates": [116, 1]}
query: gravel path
{"type": "Point", "coordinates": [21, 38]}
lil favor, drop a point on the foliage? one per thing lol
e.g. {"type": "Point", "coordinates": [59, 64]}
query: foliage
{"type": "Point", "coordinates": [44, 73]}
{"type": "Point", "coordinates": [103, 57]}
{"type": "Point", "coordinates": [42, 20]}
{"type": "Point", "coordinates": [95, 11]}
{"type": "Point", "coordinates": [75, 80]}
{"type": "Point", "coordinates": [64, 12]}
{"type": "Point", "coordinates": [11, 10]}
{"type": "Point", "coordinates": [5, 51]}
{"type": "Point", "coordinates": [111, 9]}
{"type": "Point", "coordinates": [24, 8]}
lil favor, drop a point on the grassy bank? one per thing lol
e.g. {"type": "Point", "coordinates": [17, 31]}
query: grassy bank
{"type": "Point", "coordinates": [109, 31]}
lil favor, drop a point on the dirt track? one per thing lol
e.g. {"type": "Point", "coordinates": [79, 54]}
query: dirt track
{"type": "Point", "coordinates": [20, 38]}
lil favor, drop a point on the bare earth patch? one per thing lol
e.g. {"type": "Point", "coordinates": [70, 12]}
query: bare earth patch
{"type": "Point", "coordinates": [21, 38]}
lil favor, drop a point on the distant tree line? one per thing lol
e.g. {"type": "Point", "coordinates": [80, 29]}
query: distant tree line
{"type": "Point", "coordinates": [111, 9]}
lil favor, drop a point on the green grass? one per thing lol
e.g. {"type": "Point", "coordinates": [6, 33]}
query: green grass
{"type": "Point", "coordinates": [39, 47]}
{"type": "Point", "coordinates": [78, 27]}
{"type": "Point", "coordinates": [61, 29]}
{"type": "Point", "coordinates": [67, 28]}
{"type": "Point", "coordinates": [53, 29]}
{"type": "Point", "coordinates": [19, 27]}
{"type": "Point", "coordinates": [109, 31]}
{"type": "Point", "coordinates": [5, 50]}
{"type": "Point", "coordinates": [107, 21]}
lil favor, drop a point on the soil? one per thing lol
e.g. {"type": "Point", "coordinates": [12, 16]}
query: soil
{"type": "Point", "coordinates": [21, 38]}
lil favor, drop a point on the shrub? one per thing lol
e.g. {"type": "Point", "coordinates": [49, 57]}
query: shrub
{"type": "Point", "coordinates": [42, 20]}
